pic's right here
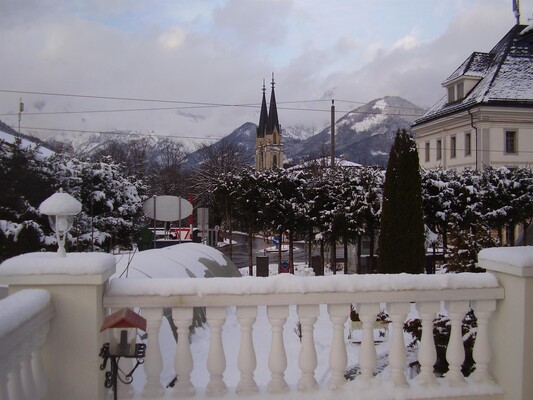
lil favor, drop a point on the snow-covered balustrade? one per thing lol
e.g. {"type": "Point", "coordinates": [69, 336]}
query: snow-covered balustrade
{"type": "Point", "coordinates": [456, 294]}
{"type": "Point", "coordinates": [24, 323]}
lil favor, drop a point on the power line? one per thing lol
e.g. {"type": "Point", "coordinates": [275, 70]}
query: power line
{"type": "Point", "coordinates": [206, 106]}
{"type": "Point", "coordinates": [195, 103]}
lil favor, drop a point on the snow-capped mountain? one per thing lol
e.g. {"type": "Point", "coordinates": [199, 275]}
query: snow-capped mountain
{"type": "Point", "coordinates": [364, 135]}
{"type": "Point", "coordinates": [243, 136]}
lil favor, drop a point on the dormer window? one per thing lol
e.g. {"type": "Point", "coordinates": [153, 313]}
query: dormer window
{"type": "Point", "coordinates": [456, 92]}
{"type": "Point", "coordinates": [460, 90]}
{"type": "Point", "coordinates": [451, 94]}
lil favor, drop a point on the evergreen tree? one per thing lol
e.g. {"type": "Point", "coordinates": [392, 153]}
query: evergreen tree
{"type": "Point", "coordinates": [401, 239]}
{"type": "Point", "coordinates": [465, 245]}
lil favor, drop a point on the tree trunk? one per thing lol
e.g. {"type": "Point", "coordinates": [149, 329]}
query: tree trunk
{"type": "Point", "coordinates": [511, 239]}
{"type": "Point", "coordinates": [310, 250]}
{"type": "Point", "coordinates": [333, 246]}
{"type": "Point", "coordinates": [371, 261]}
{"type": "Point", "coordinates": [524, 237]}
{"type": "Point", "coordinates": [228, 219]}
{"type": "Point", "coordinates": [345, 240]}
{"type": "Point", "coordinates": [250, 248]}
{"type": "Point", "coordinates": [359, 248]}
{"type": "Point", "coordinates": [291, 253]}
{"type": "Point", "coordinates": [322, 258]}
{"type": "Point", "coordinates": [280, 249]}
{"type": "Point", "coordinates": [444, 242]}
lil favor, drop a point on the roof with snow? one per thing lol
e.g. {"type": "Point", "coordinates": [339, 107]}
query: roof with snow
{"type": "Point", "coordinates": [505, 73]}
{"type": "Point", "coordinates": [325, 162]}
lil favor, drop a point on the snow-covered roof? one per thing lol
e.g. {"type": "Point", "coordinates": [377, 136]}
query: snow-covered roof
{"type": "Point", "coordinates": [325, 161]}
{"type": "Point", "coordinates": [505, 73]}
{"type": "Point", "coordinates": [185, 260]}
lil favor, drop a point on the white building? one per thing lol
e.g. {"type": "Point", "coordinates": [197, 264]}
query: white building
{"type": "Point", "coordinates": [486, 117]}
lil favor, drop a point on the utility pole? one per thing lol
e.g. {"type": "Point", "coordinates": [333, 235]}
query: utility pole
{"type": "Point", "coordinates": [21, 110]}
{"type": "Point", "coordinates": [332, 149]}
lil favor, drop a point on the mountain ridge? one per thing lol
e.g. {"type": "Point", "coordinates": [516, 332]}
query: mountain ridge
{"type": "Point", "coordinates": [364, 135]}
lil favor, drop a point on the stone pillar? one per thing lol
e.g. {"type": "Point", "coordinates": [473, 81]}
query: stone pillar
{"type": "Point", "coordinates": [76, 284]}
{"type": "Point", "coordinates": [512, 323]}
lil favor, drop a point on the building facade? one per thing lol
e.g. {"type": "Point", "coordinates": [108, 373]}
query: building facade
{"type": "Point", "coordinates": [269, 150]}
{"type": "Point", "coordinates": [486, 116]}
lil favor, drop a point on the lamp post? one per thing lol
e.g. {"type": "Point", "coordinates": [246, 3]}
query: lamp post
{"type": "Point", "coordinates": [61, 209]}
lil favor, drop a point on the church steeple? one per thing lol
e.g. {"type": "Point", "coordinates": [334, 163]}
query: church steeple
{"type": "Point", "coordinates": [263, 117]}
{"type": "Point", "coordinates": [268, 147]}
{"type": "Point", "coordinates": [273, 122]}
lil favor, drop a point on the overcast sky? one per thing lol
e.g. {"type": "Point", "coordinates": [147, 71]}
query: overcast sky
{"type": "Point", "coordinates": [204, 61]}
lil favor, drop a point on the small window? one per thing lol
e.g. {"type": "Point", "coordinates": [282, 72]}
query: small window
{"type": "Point", "coordinates": [460, 90]}
{"type": "Point", "coordinates": [439, 149]}
{"type": "Point", "coordinates": [510, 142]}
{"type": "Point", "coordinates": [451, 94]}
{"type": "Point", "coordinates": [468, 144]}
{"type": "Point", "coordinates": [427, 152]}
{"type": "Point", "coordinates": [453, 147]}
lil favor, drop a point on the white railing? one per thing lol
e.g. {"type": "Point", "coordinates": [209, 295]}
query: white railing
{"type": "Point", "coordinates": [455, 293]}
{"type": "Point", "coordinates": [24, 324]}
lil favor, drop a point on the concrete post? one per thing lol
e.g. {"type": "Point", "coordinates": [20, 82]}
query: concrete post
{"type": "Point", "coordinates": [512, 322]}
{"type": "Point", "coordinates": [76, 284]}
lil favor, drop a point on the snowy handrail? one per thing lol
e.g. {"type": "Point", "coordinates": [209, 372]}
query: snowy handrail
{"type": "Point", "coordinates": [25, 318]}
{"type": "Point", "coordinates": [456, 293]}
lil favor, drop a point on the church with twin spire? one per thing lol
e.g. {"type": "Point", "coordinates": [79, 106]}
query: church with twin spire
{"type": "Point", "coordinates": [268, 147]}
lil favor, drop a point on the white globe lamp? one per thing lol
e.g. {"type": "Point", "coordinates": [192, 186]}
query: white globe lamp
{"type": "Point", "coordinates": [61, 209]}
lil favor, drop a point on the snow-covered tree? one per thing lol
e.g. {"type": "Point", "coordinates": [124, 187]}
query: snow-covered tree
{"type": "Point", "coordinates": [111, 202]}
{"type": "Point", "coordinates": [465, 244]}
{"type": "Point", "coordinates": [371, 207]}
{"type": "Point", "coordinates": [24, 186]}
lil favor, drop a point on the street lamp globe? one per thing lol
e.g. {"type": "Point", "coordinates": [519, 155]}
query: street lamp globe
{"type": "Point", "coordinates": [61, 209]}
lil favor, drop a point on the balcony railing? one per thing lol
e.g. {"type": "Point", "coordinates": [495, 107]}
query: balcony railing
{"type": "Point", "coordinates": [24, 323]}
{"type": "Point", "coordinates": [456, 294]}
{"type": "Point", "coordinates": [500, 299]}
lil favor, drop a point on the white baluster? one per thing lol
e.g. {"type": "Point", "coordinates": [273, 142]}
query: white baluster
{"type": "Point", "coordinates": [183, 362]}
{"type": "Point", "coordinates": [427, 353]}
{"type": "Point", "coordinates": [153, 363]}
{"type": "Point", "coordinates": [307, 359]}
{"type": "Point", "coordinates": [37, 361]}
{"type": "Point", "coordinates": [455, 353]}
{"type": "Point", "coordinates": [247, 361]}
{"type": "Point", "coordinates": [3, 383]}
{"type": "Point", "coordinates": [277, 358]}
{"type": "Point", "coordinates": [28, 383]}
{"type": "Point", "coordinates": [14, 384]}
{"type": "Point", "coordinates": [216, 359]}
{"type": "Point", "coordinates": [482, 353]}
{"type": "Point", "coordinates": [338, 358]}
{"type": "Point", "coordinates": [367, 354]}
{"type": "Point", "coordinates": [398, 353]}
